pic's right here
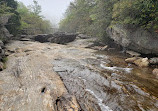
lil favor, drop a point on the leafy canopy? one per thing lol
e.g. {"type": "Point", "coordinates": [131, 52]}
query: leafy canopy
{"type": "Point", "coordinates": [94, 16]}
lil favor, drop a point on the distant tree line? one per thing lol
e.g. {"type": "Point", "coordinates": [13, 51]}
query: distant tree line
{"type": "Point", "coordinates": [24, 20]}
{"type": "Point", "coordinates": [94, 16]}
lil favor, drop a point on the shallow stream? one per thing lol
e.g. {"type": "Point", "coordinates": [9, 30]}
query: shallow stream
{"type": "Point", "coordinates": [102, 81]}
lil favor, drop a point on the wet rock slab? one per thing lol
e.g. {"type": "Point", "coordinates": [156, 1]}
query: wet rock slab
{"type": "Point", "coordinates": [101, 88]}
{"type": "Point", "coordinates": [30, 84]}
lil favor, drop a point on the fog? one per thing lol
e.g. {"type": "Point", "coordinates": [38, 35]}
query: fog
{"type": "Point", "coordinates": [53, 10]}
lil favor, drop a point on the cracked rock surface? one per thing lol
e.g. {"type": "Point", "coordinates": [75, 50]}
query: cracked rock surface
{"type": "Point", "coordinates": [29, 82]}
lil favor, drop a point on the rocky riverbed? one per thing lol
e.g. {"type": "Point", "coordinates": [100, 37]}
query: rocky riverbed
{"type": "Point", "coordinates": [48, 76]}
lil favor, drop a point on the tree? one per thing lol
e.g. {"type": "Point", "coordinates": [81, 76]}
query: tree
{"type": "Point", "coordinates": [93, 17]}
{"type": "Point", "coordinates": [9, 7]}
{"type": "Point", "coordinates": [32, 23]}
{"type": "Point", "coordinates": [141, 13]}
{"type": "Point", "coordinates": [35, 8]}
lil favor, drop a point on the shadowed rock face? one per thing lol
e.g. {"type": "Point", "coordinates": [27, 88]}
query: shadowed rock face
{"type": "Point", "coordinates": [136, 39]}
{"type": "Point", "coordinates": [59, 38]}
{"type": "Point", "coordinates": [4, 36]}
{"type": "Point", "coordinates": [43, 37]}
{"type": "Point", "coordinates": [4, 33]}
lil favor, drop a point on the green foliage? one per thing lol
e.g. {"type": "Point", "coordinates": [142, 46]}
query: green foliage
{"type": "Point", "coordinates": [94, 16]}
{"type": "Point", "coordinates": [35, 8]}
{"type": "Point", "coordinates": [142, 13]}
{"type": "Point", "coordinates": [14, 24]}
{"type": "Point", "coordinates": [9, 7]}
{"type": "Point", "coordinates": [4, 60]}
{"type": "Point", "coordinates": [31, 21]}
{"type": "Point", "coordinates": [91, 17]}
{"type": "Point", "coordinates": [4, 9]}
{"type": "Point", "coordinates": [78, 16]}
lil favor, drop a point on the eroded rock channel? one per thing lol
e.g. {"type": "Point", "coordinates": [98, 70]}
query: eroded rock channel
{"type": "Point", "coordinates": [53, 77]}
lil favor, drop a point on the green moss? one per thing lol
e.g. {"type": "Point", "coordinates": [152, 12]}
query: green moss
{"type": "Point", "coordinates": [4, 60]}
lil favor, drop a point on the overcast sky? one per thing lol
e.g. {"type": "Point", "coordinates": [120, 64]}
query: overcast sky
{"type": "Point", "coordinates": [51, 9]}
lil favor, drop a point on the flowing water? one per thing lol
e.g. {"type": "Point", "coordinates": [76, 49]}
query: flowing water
{"type": "Point", "coordinates": [102, 81]}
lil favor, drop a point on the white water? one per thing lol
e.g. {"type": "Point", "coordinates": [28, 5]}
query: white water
{"type": "Point", "coordinates": [100, 101]}
{"type": "Point", "coordinates": [128, 70]}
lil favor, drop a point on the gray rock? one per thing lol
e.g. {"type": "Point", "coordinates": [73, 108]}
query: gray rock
{"type": "Point", "coordinates": [59, 38]}
{"type": "Point", "coordinates": [1, 44]}
{"type": "Point", "coordinates": [104, 48]}
{"type": "Point", "coordinates": [25, 39]}
{"type": "Point", "coordinates": [82, 36]}
{"type": "Point", "coordinates": [4, 19]}
{"type": "Point", "coordinates": [136, 39]}
{"type": "Point", "coordinates": [153, 60]}
{"type": "Point", "coordinates": [1, 66]}
{"type": "Point", "coordinates": [62, 39]}
{"type": "Point", "coordinates": [4, 33]}
{"type": "Point", "coordinates": [133, 54]}
{"type": "Point", "coordinates": [43, 37]}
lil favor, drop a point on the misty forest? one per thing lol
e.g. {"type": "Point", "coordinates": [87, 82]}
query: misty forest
{"type": "Point", "coordinates": [102, 55]}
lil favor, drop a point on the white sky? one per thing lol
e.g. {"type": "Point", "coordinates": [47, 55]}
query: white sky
{"type": "Point", "coordinates": [53, 10]}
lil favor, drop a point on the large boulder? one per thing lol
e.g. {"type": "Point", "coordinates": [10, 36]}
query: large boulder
{"type": "Point", "coordinates": [4, 19]}
{"type": "Point", "coordinates": [43, 37]}
{"type": "Point", "coordinates": [4, 33]}
{"type": "Point", "coordinates": [136, 39]}
{"type": "Point", "coordinates": [63, 38]}
{"type": "Point", "coordinates": [59, 38]}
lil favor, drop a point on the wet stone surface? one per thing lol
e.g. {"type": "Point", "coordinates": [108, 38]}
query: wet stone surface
{"type": "Point", "coordinates": [54, 77]}
{"type": "Point", "coordinates": [99, 86]}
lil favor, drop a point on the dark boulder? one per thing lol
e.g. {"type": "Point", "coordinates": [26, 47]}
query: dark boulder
{"type": "Point", "coordinates": [4, 33]}
{"type": "Point", "coordinates": [59, 38]}
{"type": "Point", "coordinates": [63, 38]}
{"type": "Point", "coordinates": [43, 37]}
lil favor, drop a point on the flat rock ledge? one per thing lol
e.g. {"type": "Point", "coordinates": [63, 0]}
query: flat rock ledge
{"type": "Point", "coordinates": [29, 82]}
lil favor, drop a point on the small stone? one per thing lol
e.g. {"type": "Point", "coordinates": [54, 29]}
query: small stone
{"type": "Point", "coordinates": [7, 53]}
{"type": "Point", "coordinates": [153, 60]}
{"type": "Point", "coordinates": [133, 54]}
{"type": "Point", "coordinates": [142, 62]}
{"type": "Point", "coordinates": [1, 66]}
{"type": "Point", "coordinates": [96, 47]}
{"type": "Point", "coordinates": [131, 60]}
{"type": "Point", "coordinates": [155, 72]}
{"type": "Point", "coordinates": [104, 48]}
{"type": "Point", "coordinates": [25, 39]}
{"type": "Point", "coordinates": [111, 49]}
{"type": "Point", "coordinates": [1, 44]}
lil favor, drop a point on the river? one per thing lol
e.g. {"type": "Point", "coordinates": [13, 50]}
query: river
{"type": "Point", "coordinates": [103, 81]}
{"type": "Point", "coordinates": [55, 77]}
